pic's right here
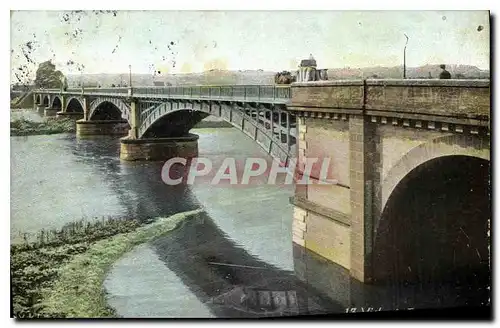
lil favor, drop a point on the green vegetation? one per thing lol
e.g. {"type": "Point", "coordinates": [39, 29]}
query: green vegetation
{"type": "Point", "coordinates": [51, 125]}
{"type": "Point", "coordinates": [60, 274]}
{"type": "Point", "coordinates": [47, 77]}
{"type": "Point", "coordinates": [15, 100]}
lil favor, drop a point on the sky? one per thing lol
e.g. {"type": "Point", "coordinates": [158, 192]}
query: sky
{"type": "Point", "coordinates": [193, 41]}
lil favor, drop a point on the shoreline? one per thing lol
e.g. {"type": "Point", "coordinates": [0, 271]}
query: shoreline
{"type": "Point", "coordinates": [62, 277]}
{"type": "Point", "coordinates": [23, 127]}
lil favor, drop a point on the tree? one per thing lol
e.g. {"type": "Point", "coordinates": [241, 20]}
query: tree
{"type": "Point", "coordinates": [47, 77]}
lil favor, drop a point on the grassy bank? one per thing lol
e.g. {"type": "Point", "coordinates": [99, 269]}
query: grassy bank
{"type": "Point", "coordinates": [61, 274]}
{"type": "Point", "coordinates": [51, 125]}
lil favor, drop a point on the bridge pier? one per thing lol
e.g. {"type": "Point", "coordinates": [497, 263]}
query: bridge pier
{"type": "Point", "coordinates": [48, 111]}
{"type": "Point", "coordinates": [104, 127]}
{"type": "Point", "coordinates": [70, 115]}
{"type": "Point", "coordinates": [375, 138]}
{"type": "Point", "coordinates": [156, 149]}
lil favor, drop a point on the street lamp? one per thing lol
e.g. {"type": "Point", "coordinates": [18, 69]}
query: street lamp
{"type": "Point", "coordinates": [404, 57]}
{"type": "Point", "coordinates": [130, 76]}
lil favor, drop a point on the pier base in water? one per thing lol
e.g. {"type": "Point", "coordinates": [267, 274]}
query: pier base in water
{"type": "Point", "coordinates": [104, 127]}
{"type": "Point", "coordinates": [156, 149]}
{"type": "Point", "coordinates": [50, 111]}
{"type": "Point", "coordinates": [70, 115]}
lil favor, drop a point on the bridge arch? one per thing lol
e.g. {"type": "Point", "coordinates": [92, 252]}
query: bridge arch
{"type": "Point", "coordinates": [451, 145]}
{"type": "Point", "coordinates": [105, 110]}
{"type": "Point", "coordinates": [56, 103]}
{"type": "Point", "coordinates": [108, 108]}
{"type": "Point", "coordinates": [173, 123]}
{"type": "Point", "coordinates": [74, 105]}
{"type": "Point", "coordinates": [46, 100]}
{"type": "Point", "coordinates": [161, 121]}
{"type": "Point", "coordinates": [434, 226]}
{"type": "Point", "coordinates": [38, 100]}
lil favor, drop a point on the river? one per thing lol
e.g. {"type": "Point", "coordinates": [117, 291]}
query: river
{"type": "Point", "coordinates": [235, 259]}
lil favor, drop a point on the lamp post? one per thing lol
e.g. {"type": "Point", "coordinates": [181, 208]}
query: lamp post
{"type": "Point", "coordinates": [130, 76]}
{"type": "Point", "coordinates": [404, 57]}
{"type": "Point", "coordinates": [81, 79]}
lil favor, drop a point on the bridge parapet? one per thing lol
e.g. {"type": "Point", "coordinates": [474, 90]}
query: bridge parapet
{"type": "Point", "coordinates": [434, 99]}
{"type": "Point", "coordinates": [244, 93]}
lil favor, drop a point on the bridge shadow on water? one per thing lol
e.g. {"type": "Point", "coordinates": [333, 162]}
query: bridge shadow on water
{"type": "Point", "coordinates": [232, 282]}
{"type": "Point", "coordinates": [138, 185]}
{"type": "Point", "coordinates": [229, 280]}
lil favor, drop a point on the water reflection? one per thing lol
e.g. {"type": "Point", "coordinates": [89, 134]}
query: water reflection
{"type": "Point", "coordinates": [138, 185]}
{"type": "Point", "coordinates": [230, 281]}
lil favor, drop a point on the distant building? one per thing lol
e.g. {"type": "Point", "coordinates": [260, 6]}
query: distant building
{"type": "Point", "coordinates": [158, 83]}
{"type": "Point", "coordinates": [307, 71]}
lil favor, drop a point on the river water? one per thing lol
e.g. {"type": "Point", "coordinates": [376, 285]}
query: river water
{"type": "Point", "coordinates": [235, 259]}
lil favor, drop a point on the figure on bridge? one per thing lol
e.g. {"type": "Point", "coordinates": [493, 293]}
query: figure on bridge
{"type": "Point", "coordinates": [444, 74]}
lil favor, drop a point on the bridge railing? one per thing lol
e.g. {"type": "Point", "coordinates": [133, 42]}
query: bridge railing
{"type": "Point", "coordinates": [223, 92]}
{"type": "Point", "coordinates": [244, 92]}
{"type": "Point", "coordinates": [107, 91]}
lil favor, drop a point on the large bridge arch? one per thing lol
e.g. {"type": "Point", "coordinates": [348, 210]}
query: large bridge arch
{"type": "Point", "coordinates": [174, 123]}
{"type": "Point", "coordinates": [161, 120]}
{"type": "Point", "coordinates": [434, 226]}
{"type": "Point", "coordinates": [451, 145]}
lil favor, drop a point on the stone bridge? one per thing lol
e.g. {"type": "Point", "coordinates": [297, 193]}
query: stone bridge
{"type": "Point", "coordinates": [409, 193]}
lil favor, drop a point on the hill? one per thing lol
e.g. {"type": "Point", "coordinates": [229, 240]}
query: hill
{"type": "Point", "coordinates": [224, 77]}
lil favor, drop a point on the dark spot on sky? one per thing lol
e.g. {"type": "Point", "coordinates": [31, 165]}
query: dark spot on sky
{"type": "Point", "coordinates": [149, 41]}
{"type": "Point", "coordinates": [480, 28]}
{"type": "Point", "coordinates": [443, 18]}
{"type": "Point", "coordinates": [159, 72]}
{"type": "Point", "coordinates": [171, 43]}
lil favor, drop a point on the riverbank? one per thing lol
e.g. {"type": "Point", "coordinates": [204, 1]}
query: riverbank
{"type": "Point", "coordinates": [51, 125]}
{"type": "Point", "coordinates": [60, 275]}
